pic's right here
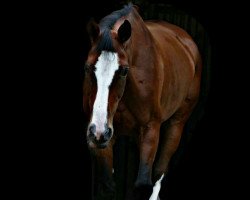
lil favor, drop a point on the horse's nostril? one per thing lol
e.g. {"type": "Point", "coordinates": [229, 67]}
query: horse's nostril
{"type": "Point", "coordinates": [108, 133]}
{"type": "Point", "coordinates": [92, 129]}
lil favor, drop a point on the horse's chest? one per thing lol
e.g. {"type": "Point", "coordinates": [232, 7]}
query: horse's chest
{"type": "Point", "coordinates": [124, 121]}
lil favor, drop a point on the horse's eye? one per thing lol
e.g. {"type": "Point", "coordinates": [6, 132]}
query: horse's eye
{"type": "Point", "coordinates": [123, 71]}
{"type": "Point", "coordinates": [88, 68]}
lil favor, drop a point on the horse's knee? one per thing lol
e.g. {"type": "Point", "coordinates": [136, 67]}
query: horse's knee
{"type": "Point", "coordinates": [157, 173]}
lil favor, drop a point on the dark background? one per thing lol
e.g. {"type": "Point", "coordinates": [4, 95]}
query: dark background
{"type": "Point", "coordinates": [213, 162]}
{"type": "Point", "coordinates": [47, 156]}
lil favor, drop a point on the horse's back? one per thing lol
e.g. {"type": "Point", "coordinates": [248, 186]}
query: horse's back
{"type": "Point", "coordinates": [171, 34]}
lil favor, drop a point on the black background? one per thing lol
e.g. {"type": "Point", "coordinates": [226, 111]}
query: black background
{"type": "Point", "coordinates": [50, 160]}
{"type": "Point", "coordinates": [214, 164]}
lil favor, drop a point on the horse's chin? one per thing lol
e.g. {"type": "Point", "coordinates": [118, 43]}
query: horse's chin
{"type": "Point", "coordinates": [98, 146]}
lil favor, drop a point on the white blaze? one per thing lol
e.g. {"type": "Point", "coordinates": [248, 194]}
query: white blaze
{"type": "Point", "coordinates": [156, 189]}
{"type": "Point", "coordinates": [106, 66]}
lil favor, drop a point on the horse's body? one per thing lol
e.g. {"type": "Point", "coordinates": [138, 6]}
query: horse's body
{"type": "Point", "coordinates": [159, 93]}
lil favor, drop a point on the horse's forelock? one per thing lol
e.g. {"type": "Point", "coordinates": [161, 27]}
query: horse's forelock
{"type": "Point", "coordinates": [107, 24]}
{"type": "Point", "coordinates": [105, 43]}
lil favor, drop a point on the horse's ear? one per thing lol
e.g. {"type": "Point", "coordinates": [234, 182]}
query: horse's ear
{"type": "Point", "coordinates": [93, 30]}
{"type": "Point", "coordinates": [124, 31]}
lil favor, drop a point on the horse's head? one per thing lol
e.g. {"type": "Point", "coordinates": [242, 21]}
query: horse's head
{"type": "Point", "coordinates": [106, 69]}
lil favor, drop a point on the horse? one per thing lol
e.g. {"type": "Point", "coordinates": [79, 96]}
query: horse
{"type": "Point", "coordinates": [142, 79]}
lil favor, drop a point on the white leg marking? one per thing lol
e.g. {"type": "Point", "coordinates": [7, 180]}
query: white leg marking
{"type": "Point", "coordinates": [156, 189]}
{"type": "Point", "coordinates": [106, 67]}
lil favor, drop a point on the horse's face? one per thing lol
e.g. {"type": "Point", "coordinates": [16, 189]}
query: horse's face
{"type": "Point", "coordinates": [104, 83]}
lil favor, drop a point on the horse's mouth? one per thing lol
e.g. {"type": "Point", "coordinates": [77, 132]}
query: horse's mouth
{"type": "Point", "coordinates": [98, 145]}
{"type": "Point", "coordinates": [102, 146]}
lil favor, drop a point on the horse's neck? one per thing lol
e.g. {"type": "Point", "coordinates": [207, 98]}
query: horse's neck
{"type": "Point", "coordinates": [141, 42]}
{"type": "Point", "coordinates": [143, 81]}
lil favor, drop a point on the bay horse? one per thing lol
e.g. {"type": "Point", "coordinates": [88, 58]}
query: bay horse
{"type": "Point", "coordinates": [142, 78]}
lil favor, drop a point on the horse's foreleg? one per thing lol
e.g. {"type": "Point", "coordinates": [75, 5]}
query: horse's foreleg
{"type": "Point", "coordinates": [169, 144]}
{"type": "Point", "coordinates": [148, 143]}
{"type": "Point", "coordinates": [103, 187]}
{"type": "Point", "coordinates": [171, 133]}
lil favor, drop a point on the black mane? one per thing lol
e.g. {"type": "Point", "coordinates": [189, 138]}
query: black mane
{"type": "Point", "coordinates": [106, 24]}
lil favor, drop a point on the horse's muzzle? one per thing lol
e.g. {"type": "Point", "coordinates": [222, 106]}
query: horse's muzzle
{"type": "Point", "coordinates": [99, 140]}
